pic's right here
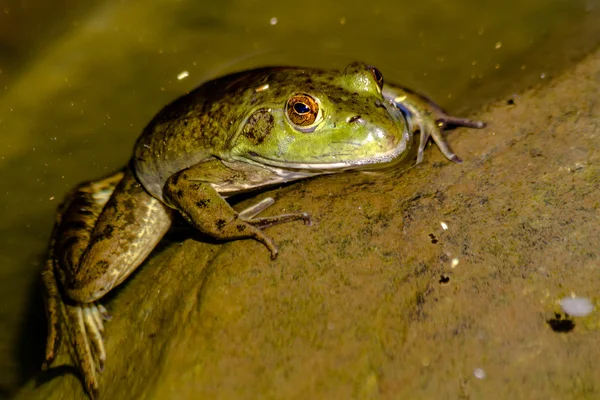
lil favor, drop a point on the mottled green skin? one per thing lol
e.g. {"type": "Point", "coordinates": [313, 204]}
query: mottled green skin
{"type": "Point", "coordinates": [229, 135]}
{"type": "Point", "coordinates": [210, 121]}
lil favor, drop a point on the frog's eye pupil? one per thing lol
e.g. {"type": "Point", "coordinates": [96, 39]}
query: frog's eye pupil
{"type": "Point", "coordinates": [378, 76]}
{"type": "Point", "coordinates": [302, 111]}
{"type": "Point", "coordinates": [301, 108]}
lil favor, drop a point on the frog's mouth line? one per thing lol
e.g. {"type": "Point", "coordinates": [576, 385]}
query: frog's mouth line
{"type": "Point", "coordinates": [315, 168]}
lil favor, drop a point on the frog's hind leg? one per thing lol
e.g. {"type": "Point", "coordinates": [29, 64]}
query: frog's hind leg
{"type": "Point", "coordinates": [104, 232]}
{"type": "Point", "coordinates": [75, 327]}
{"type": "Point", "coordinates": [67, 318]}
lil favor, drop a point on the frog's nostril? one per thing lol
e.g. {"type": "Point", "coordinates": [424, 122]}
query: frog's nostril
{"type": "Point", "coordinates": [356, 118]}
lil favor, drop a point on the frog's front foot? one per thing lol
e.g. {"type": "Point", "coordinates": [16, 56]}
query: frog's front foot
{"type": "Point", "coordinates": [248, 215]}
{"type": "Point", "coordinates": [203, 207]}
{"type": "Point", "coordinates": [434, 127]}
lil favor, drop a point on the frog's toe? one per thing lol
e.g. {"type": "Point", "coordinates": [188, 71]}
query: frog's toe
{"type": "Point", "coordinates": [258, 224]}
{"type": "Point", "coordinates": [434, 130]}
{"type": "Point", "coordinates": [54, 338]}
{"type": "Point", "coordinates": [266, 222]}
{"type": "Point", "coordinates": [448, 120]}
{"type": "Point", "coordinates": [255, 209]}
{"type": "Point", "coordinates": [249, 214]}
{"type": "Point", "coordinates": [103, 312]}
{"type": "Point", "coordinates": [424, 135]}
{"type": "Point", "coordinates": [94, 329]}
{"type": "Point", "coordinates": [95, 319]}
{"type": "Point", "coordinates": [84, 350]}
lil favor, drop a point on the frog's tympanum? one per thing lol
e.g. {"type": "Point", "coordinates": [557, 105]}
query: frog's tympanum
{"type": "Point", "coordinates": [240, 132]}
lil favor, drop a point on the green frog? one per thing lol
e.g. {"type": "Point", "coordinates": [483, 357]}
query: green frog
{"type": "Point", "coordinates": [240, 132]}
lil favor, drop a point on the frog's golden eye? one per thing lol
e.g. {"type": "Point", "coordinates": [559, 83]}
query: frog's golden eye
{"type": "Point", "coordinates": [378, 76]}
{"type": "Point", "coordinates": [303, 111]}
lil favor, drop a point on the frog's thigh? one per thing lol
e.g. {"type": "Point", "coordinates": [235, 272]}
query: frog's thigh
{"type": "Point", "coordinates": [205, 209]}
{"type": "Point", "coordinates": [129, 227]}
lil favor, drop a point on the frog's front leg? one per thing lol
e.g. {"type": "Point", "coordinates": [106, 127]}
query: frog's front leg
{"type": "Point", "coordinates": [103, 233]}
{"type": "Point", "coordinates": [428, 118]}
{"type": "Point", "coordinates": [203, 207]}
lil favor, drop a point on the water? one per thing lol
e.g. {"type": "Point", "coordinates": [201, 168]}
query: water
{"type": "Point", "coordinates": [77, 85]}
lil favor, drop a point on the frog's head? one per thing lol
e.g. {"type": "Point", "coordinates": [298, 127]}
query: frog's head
{"type": "Point", "coordinates": [323, 120]}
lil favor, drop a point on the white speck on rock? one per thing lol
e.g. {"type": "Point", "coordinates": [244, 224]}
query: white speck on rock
{"type": "Point", "coordinates": [479, 373]}
{"type": "Point", "coordinates": [577, 306]}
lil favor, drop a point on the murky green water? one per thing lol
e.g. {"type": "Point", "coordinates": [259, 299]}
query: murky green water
{"type": "Point", "coordinates": [72, 105]}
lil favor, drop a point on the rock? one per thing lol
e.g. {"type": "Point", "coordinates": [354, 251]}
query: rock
{"type": "Point", "coordinates": [365, 303]}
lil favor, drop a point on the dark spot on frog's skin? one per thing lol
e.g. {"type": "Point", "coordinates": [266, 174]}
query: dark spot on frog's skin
{"type": "Point", "coordinates": [252, 154]}
{"type": "Point", "coordinates": [185, 122]}
{"type": "Point", "coordinates": [354, 119]}
{"type": "Point", "coordinates": [258, 126]}
{"type": "Point", "coordinates": [203, 203]}
{"type": "Point", "coordinates": [75, 225]}
{"type": "Point", "coordinates": [69, 243]}
{"type": "Point", "coordinates": [102, 265]}
{"type": "Point", "coordinates": [129, 204]}
{"type": "Point", "coordinates": [510, 102]}
{"type": "Point", "coordinates": [83, 199]}
{"type": "Point", "coordinates": [444, 279]}
{"type": "Point", "coordinates": [108, 231]}
{"type": "Point", "coordinates": [220, 223]}
{"type": "Point", "coordinates": [195, 186]}
{"type": "Point", "coordinates": [179, 193]}
{"type": "Point", "coordinates": [240, 227]}
{"type": "Point", "coordinates": [175, 180]}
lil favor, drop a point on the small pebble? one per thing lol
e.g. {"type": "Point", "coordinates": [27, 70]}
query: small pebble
{"type": "Point", "coordinates": [577, 306]}
{"type": "Point", "coordinates": [479, 373]}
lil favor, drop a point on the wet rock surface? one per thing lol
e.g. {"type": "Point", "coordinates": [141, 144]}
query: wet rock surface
{"type": "Point", "coordinates": [376, 299]}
